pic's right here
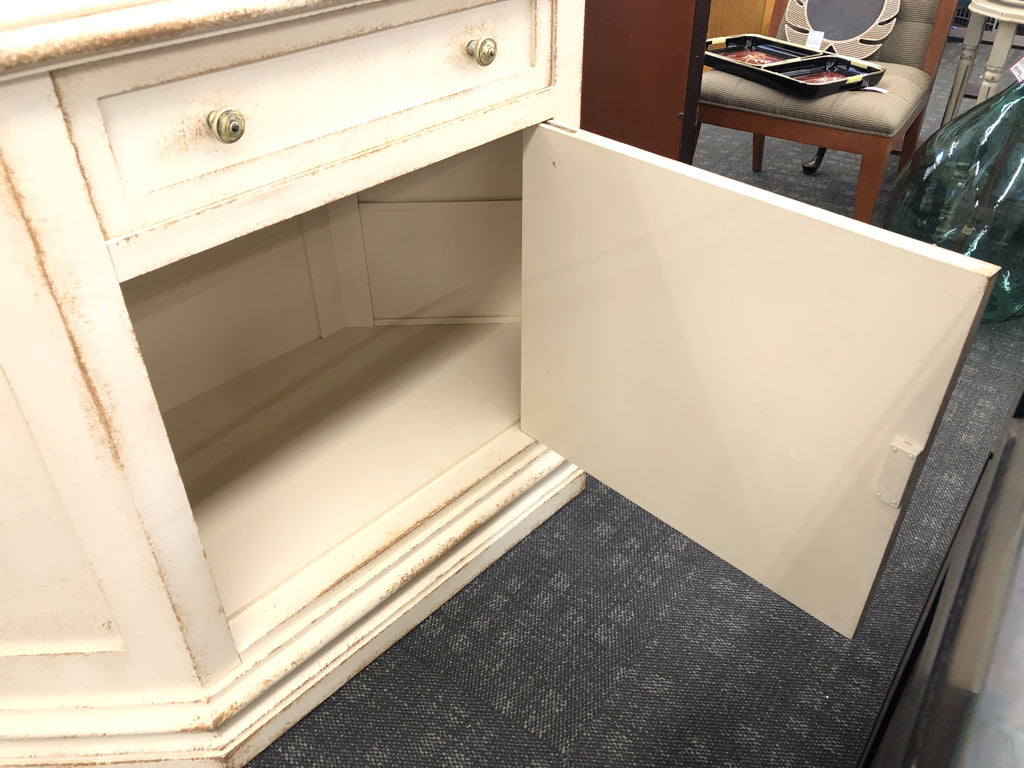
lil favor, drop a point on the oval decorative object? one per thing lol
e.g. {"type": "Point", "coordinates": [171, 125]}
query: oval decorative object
{"type": "Point", "coordinates": [854, 29]}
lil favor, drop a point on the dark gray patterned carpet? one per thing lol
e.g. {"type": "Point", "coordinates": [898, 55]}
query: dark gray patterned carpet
{"type": "Point", "coordinates": [607, 639]}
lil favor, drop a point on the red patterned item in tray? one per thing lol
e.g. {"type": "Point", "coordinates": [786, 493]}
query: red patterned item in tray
{"type": "Point", "coordinates": [754, 58]}
{"type": "Point", "coordinates": [820, 78]}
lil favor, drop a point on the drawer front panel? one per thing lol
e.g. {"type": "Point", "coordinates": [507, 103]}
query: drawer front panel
{"type": "Point", "coordinates": [150, 155]}
{"type": "Point", "coordinates": [159, 135]}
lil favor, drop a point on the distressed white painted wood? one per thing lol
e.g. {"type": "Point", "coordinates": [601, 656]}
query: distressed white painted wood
{"type": "Point", "coordinates": [159, 137]}
{"type": "Point", "coordinates": [71, 362]}
{"type": "Point", "coordinates": [59, 33]}
{"type": "Point", "coordinates": [317, 651]}
{"type": "Point", "coordinates": [736, 363]}
{"type": "Point", "coordinates": [51, 605]}
{"type": "Point", "coordinates": [203, 228]}
{"type": "Point", "coordinates": [49, 10]}
{"type": "Point", "coordinates": [140, 124]}
{"type": "Point", "coordinates": [178, 684]}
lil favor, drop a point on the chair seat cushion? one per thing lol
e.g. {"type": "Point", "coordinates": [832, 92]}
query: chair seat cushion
{"type": "Point", "coordinates": [878, 114]}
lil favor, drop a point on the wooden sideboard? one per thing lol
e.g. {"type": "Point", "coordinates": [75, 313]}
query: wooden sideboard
{"type": "Point", "coordinates": [266, 403]}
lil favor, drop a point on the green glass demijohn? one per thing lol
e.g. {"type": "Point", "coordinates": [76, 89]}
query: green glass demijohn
{"type": "Point", "coordinates": [964, 190]}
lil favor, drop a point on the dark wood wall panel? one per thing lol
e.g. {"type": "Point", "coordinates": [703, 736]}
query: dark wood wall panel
{"type": "Point", "coordinates": [642, 61]}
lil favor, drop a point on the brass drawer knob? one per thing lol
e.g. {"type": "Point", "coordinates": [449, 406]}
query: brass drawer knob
{"type": "Point", "coordinates": [483, 51]}
{"type": "Point", "coordinates": [227, 124]}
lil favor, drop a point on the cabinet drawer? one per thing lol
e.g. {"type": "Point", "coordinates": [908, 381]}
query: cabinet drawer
{"type": "Point", "coordinates": [314, 93]}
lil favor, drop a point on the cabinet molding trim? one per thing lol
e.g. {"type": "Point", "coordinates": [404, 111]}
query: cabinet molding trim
{"type": "Point", "coordinates": [290, 673]}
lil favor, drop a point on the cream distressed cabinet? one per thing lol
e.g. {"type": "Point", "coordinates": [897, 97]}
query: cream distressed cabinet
{"type": "Point", "coordinates": [307, 314]}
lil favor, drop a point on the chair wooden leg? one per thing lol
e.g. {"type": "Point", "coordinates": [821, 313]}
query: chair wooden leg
{"type": "Point", "coordinates": [910, 140]}
{"type": "Point", "coordinates": [688, 143]}
{"type": "Point", "coordinates": [758, 157]}
{"type": "Point", "coordinates": [869, 184]}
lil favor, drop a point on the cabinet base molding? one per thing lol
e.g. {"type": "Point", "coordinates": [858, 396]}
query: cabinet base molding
{"type": "Point", "coordinates": [280, 681]}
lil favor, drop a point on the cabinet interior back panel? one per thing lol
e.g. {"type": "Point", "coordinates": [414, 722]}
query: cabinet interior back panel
{"type": "Point", "coordinates": [290, 459]}
{"type": "Point", "coordinates": [443, 260]}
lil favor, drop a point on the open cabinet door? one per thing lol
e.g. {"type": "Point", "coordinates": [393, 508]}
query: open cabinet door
{"type": "Point", "coordinates": [762, 375]}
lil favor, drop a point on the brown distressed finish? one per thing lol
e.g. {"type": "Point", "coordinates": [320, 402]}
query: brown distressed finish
{"type": "Point", "coordinates": [641, 72]}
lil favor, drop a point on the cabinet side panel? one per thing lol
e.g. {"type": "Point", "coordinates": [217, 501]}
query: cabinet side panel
{"type": "Point", "coordinates": [204, 321]}
{"type": "Point", "coordinates": [54, 604]}
{"type": "Point", "coordinates": [72, 361]}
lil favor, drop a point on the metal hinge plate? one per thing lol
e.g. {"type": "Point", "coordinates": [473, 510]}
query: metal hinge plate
{"type": "Point", "coordinates": [896, 471]}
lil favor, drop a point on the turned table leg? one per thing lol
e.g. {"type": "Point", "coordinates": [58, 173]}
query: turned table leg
{"type": "Point", "coordinates": [997, 58]}
{"type": "Point", "coordinates": [972, 39]}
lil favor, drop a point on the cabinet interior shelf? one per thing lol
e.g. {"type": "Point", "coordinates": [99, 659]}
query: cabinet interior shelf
{"type": "Point", "coordinates": [313, 449]}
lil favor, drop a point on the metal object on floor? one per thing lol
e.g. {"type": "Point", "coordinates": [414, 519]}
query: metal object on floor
{"type": "Point", "coordinates": [812, 165]}
{"type": "Point", "coordinates": [927, 717]}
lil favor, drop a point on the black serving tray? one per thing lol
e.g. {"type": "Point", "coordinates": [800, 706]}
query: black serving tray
{"type": "Point", "coordinates": [787, 66]}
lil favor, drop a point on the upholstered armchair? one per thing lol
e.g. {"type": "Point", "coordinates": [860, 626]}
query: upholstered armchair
{"type": "Point", "coordinates": [867, 123]}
